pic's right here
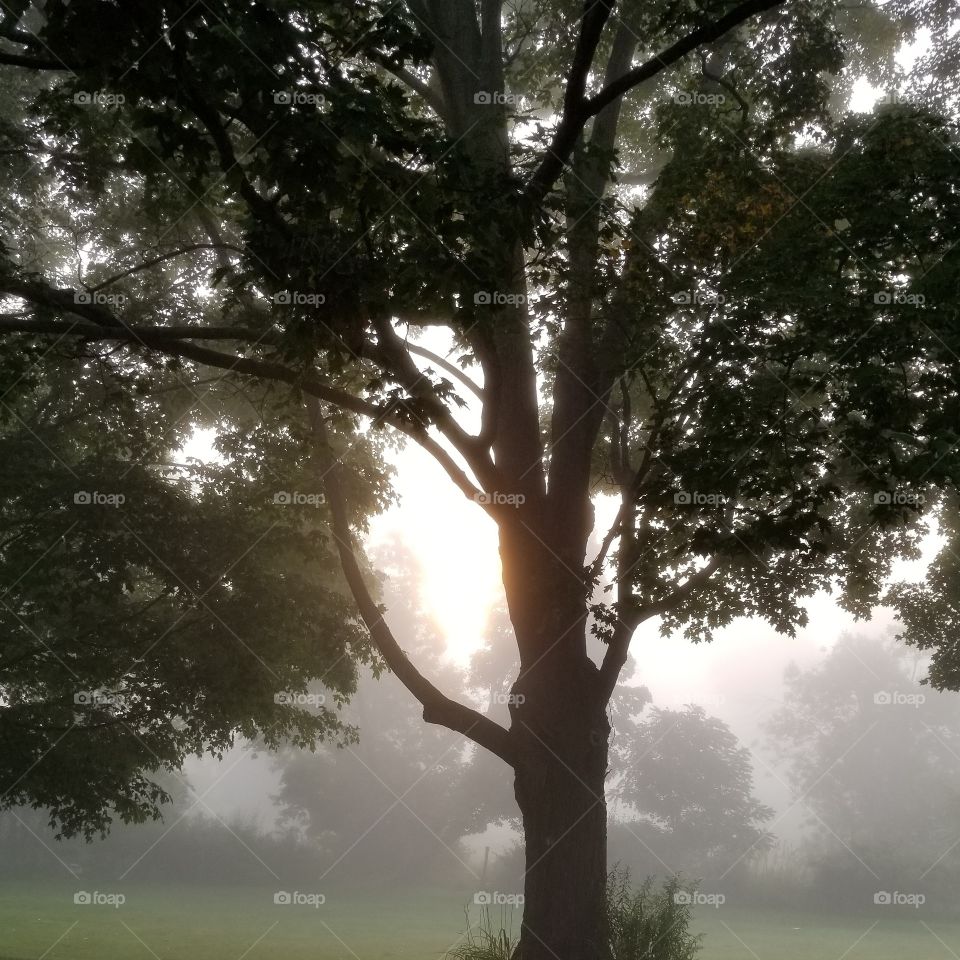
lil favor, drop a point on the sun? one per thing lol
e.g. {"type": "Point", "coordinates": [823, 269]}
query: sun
{"type": "Point", "coordinates": [455, 543]}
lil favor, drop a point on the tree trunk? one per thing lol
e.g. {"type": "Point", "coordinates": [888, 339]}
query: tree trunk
{"type": "Point", "coordinates": [562, 737]}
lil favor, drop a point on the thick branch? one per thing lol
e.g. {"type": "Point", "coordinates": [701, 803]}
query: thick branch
{"type": "Point", "coordinates": [33, 63]}
{"type": "Point", "coordinates": [437, 707]}
{"type": "Point", "coordinates": [172, 342]}
{"type": "Point", "coordinates": [578, 111]}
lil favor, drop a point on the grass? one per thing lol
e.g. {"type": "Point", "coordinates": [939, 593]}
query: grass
{"type": "Point", "coordinates": [222, 923]}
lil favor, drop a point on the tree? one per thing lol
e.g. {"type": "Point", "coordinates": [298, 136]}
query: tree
{"type": "Point", "coordinates": [666, 267]}
{"type": "Point", "coordinates": [873, 756]}
{"type": "Point", "coordinates": [687, 773]}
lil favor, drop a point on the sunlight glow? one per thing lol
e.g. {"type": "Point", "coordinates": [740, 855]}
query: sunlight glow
{"type": "Point", "coordinates": [456, 545]}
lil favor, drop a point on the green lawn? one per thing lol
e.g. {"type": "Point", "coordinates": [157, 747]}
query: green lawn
{"type": "Point", "coordinates": [221, 923]}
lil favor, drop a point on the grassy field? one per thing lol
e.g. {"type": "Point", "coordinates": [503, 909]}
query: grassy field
{"type": "Point", "coordinates": [244, 924]}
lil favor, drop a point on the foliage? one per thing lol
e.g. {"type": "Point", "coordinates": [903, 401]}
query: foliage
{"type": "Point", "coordinates": [687, 773]}
{"type": "Point", "coordinates": [647, 923]}
{"type": "Point", "coordinates": [736, 310]}
{"type": "Point", "coordinates": [873, 757]}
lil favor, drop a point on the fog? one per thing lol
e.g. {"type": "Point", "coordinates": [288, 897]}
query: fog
{"type": "Point", "coordinates": [823, 726]}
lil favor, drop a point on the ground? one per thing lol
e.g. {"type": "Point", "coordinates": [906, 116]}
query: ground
{"type": "Point", "coordinates": [224, 923]}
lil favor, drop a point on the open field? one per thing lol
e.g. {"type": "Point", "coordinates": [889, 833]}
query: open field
{"type": "Point", "coordinates": [223, 923]}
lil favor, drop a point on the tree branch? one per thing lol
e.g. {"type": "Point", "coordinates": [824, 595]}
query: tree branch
{"type": "Point", "coordinates": [147, 264]}
{"type": "Point", "coordinates": [578, 111]}
{"type": "Point", "coordinates": [34, 63]}
{"type": "Point", "coordinates": [628, 621]}
{"type": "Point", "coordinates": [171, 341]}
{"type": "Point", "coordinates": [445, 364]}
{"type": "Point", "coordinates": [437, 707]}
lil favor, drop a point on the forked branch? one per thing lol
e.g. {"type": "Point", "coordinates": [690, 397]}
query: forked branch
{"type": "Point", "coordinates": [437, 707]}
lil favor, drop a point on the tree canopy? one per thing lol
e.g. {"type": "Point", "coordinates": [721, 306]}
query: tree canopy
{"type": "Point", "coordinates": [662, 259]}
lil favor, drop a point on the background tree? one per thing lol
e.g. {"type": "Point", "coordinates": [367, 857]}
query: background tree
{"type": "Point", "coordinates": [874, 759]}
{"type": "Point", "coordinates": [675, 269]}
{"type": "Point", "coordinates": [688, 776]}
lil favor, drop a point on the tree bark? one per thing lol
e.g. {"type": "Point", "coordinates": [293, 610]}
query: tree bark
{"type": "Point", "coordinates": [561, 732]}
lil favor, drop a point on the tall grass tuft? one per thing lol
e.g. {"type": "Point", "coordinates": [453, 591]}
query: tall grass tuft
{"type": "Point", "coordinates": [486, 940]}
{"type": "Point", "coordinates": [646, 923]}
